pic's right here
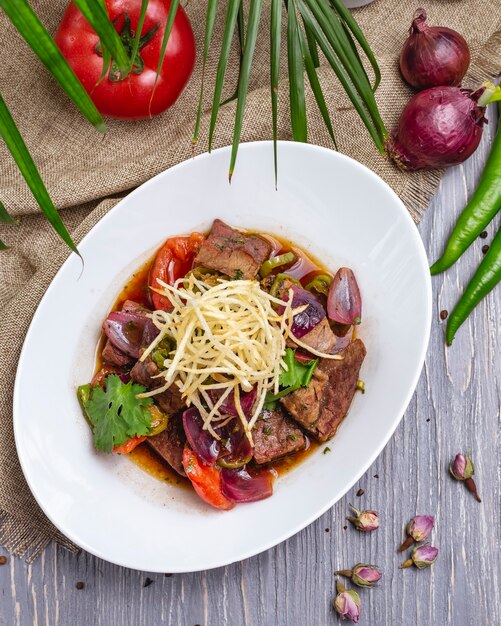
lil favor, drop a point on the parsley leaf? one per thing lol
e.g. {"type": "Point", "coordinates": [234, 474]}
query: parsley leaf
{"type": "Point", "coordinates": [298, 375]}
{"type": "Point", "coordinates": [116, 414]}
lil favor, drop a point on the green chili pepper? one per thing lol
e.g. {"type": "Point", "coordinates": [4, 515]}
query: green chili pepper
{"type": "Point", "coordinates": [480, 210]}
{"type": "Point", "coordinates": [320, 283]}
{"type": "Point", "coordinates": [277, 285]}
{"type": "Point", "coordinates": [83, 395]}
{"type": "Point", "coordinates": [161, 352]}
{"type": "Point", "coordinates": [484, 280]}
{"type": "Point", "coordinates": [233, 464]}
{"type": "Point", "coordinates": [271, 264]}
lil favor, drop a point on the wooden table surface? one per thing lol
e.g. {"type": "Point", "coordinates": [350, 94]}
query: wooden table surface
{"type": "Point", "coordinates": [456, 407]}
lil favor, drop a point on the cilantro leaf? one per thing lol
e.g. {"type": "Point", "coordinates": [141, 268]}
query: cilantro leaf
{"type": "Point", "coordinates": [298, 375]}
{"type": "Point", "coordinates": [117, 414]}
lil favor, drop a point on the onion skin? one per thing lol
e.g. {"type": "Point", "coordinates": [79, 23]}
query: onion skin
{"type": "Point", "coordinates": [433, 55]}
{"type": "Point", "coordinates": [439, 127]}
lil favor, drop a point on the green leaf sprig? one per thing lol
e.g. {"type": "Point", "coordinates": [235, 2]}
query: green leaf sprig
{"type": "Point", "coordinates": [117, 414]}
{"type": "Point", "coordinates": [296, 375]}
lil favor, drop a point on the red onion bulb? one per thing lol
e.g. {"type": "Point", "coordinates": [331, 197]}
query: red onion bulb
{"type": "Point", "coordinates": [433, 55]}
{"type": "Point", "coordinates": [439, 127]}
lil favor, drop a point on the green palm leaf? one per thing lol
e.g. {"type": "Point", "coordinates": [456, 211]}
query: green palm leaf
{"type": "Point", "coordinates": [351, 23]}
{"type": "Point", "coordinates": [33, 32]}
{"type": "Point", "coordinates": [139, 30]}
{"type": "Point", "coordinates": [243, 80]}
{"type": "Point", "coordinates": [229, 29]}
{"type": "Point", "coordinates": [241, 37]}
{"type": "Point", "coordinates": [275, 45]}
{"type": "Point", "coordinates": [168, 29]}
{"type": "Point", "coordinates": [19, 151]}
{"type": "Point", "coordinates": [296, 76]}
{"type": "Point", "coordinates": [341, 73]}
{"type": "Point", "coordinates": [315, 85]}
{"type": "Point", "coordinates": [345, 50]}
{"type": "Point", "coordinates": [312, 46]}
{"type": "Point", "coordinates": [95, 13]}
{"type": "Point", "coordinates": [209, 27]}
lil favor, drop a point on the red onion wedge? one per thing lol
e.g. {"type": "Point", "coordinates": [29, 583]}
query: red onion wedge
{"type": "Point", "coordinates": [247, 399]}
{"type": "Point", "coordinates": [439, 127]}
{"type": "Point", "coordinates": [235, 448]}
{"type": "Point", "coordinates": [306, 320]}
{"type": "Point", "coordinates": [240, 485]}
{"type": "Point", "coordinates": [201, 441]}
{"type": "Point", "coordinates": [129, 332]}
{"type": "Point", "coordinates": [344, 303]}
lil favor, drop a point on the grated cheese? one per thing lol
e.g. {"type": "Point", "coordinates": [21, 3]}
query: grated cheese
{"type": "Point", "coordinates": [229, 338]}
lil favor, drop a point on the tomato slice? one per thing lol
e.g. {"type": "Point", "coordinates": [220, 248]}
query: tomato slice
{"type": "Point", "coordinates": [206, 480]}
{"type": "Point", "coordinates": [174, 260]}
{"type": "Point", "coordinates": [128, 446]}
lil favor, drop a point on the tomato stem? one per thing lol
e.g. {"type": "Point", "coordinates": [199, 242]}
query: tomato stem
{"type": "Point", "coordinates": [127, 37]}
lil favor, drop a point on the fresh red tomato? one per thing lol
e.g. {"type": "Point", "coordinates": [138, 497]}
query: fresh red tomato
{"type": "Point", "coordinates": [131, 97]}
{"type": "Point", "coordinates": [173, 261]}
{"type": "Point", "coordinates": [206, 480]}
{"type": "Point", "coordinates": [128, 446]}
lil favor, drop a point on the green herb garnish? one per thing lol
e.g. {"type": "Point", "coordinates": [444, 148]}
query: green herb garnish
{"type": "Point", "coordinates": [117, 414]}
{"type": "Point", "coordinates": [298, 375]}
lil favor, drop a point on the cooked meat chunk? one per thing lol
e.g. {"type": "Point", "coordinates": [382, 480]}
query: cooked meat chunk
{"type": "Point", "coordinates": [113, 355]}
{"type": "Point", "coordinates": [231, 252]}
{"type": "Point", "coordinates": [144, 373]}
{"type": "Point", "coordinates": [320, 338]}
{"type": "Point", "coordinates": [321, 407]}
{"type": "Point", "coordinates": [276, 436]}
{"type": "Point", "coordinates": [169, 444]}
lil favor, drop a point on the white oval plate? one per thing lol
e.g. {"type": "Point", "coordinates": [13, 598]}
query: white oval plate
{"type": "Point", "coordinates": [326, 202]}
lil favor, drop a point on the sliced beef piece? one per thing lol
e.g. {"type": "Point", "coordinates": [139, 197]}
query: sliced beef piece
{"type": "Point", "coordinates": [320, 338]}
{"type": "Point", "coordinates": [321, 406]}
{"type": "Point", "coordinates": [231, 252]}
{"type": "Point", "coordinates": [144, 373]}
{"type": "Point", "coordinates": [169, 444]}
{"type": "Point", "coordinates": [113, 355]}
{"type": "Point", "coordinates": [275, 436]}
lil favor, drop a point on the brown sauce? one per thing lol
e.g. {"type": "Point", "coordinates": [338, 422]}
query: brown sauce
{"type": "Point", "coordinates": [136, 289]}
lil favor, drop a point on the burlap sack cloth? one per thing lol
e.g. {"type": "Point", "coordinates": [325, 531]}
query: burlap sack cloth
{"type": "Point", "coordinates": [85, 173]}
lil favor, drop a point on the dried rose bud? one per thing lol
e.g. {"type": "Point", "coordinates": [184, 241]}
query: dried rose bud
{"type": "Point", "coordinates": [347, 603]}
{"type": "Point", "coordinates": [462, 468]}
{"type": "Point", "coordinates": [422, 556]}
{"type": "Point", "coordinates": [365, 521]}
{"type": "Point", "coordinates": [418, 529]}
{"type": "Point", "coordinates": [362, 574]}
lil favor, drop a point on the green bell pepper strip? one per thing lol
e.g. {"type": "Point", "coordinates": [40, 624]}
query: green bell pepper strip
{"type": "Point", "coordinates": [480, 210]}
{"type": "Point", "coordinates": [487, 276]}
{"type": "Point", "coordinates": [83, 395]}
{"type": "Point", "coordinates": [277, 261]}
{"type": "Point", "coordinates": [277, 285]}
{"type": "Point", "coordinates": [320, 283]}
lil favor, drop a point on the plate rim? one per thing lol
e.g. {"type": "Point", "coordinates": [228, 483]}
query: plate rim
{"type": "Point", "coordinates": [243, 554]}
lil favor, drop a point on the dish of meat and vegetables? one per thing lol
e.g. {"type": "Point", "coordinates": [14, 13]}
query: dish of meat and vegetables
{"type": "Point", "coordinates": [225, 354]}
